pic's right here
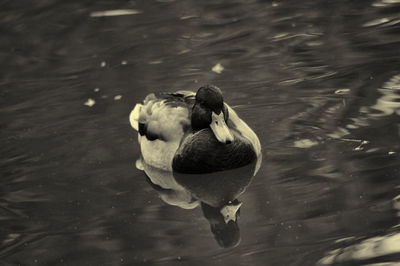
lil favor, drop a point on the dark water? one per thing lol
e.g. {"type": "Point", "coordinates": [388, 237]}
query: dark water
{"type": "Point", "coordinates": [318, 81]}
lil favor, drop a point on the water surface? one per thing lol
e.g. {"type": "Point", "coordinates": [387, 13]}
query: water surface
{"type": "Point", "coordinates": [318, 81]}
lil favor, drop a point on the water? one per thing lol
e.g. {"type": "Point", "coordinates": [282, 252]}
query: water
{"type": "Point", "coordinates": [318, 81]}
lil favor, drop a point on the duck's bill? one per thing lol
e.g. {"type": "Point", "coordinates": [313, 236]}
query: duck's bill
{"type": "Point", "coordinates": [220, 129]}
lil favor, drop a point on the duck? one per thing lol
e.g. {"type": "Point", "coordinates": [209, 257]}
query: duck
{"type": "Point", "coordinates": [193, 133]}
{"type": "Point", "coordinates": [195, 150]}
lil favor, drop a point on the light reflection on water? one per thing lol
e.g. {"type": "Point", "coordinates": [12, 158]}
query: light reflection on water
{"type": "Point", "coordinates": [318, 83]}
{"type": "Point", "coordinates": [389, 102]}
{"type": "Point", "coordinates": [369, 248]}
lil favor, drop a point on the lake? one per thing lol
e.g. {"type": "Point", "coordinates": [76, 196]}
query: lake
{"type": "Point", "coordinates": [317, 81]}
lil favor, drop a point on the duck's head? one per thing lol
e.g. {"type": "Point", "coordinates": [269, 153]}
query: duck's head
{"type": "Point", "coordinates": [210, 111]}
{"type": "Point", "coordinates": [223, 223]}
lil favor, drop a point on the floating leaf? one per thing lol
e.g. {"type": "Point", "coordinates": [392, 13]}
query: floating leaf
{"type": "Point", "coordinates": [218, 68]}
{"type": "Point", "coordinates": [90, 102]}
{"type": "Point", "coordinates": [117, 12]}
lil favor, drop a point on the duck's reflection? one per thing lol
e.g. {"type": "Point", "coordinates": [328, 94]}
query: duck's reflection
{"type": "Point", "coordinates": [216, 193]}
{"type": "Point", "coordinates": [169, 190]}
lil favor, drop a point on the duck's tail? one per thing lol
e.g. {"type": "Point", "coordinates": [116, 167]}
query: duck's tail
{"type": "Point", "coordinates": [134, 116]}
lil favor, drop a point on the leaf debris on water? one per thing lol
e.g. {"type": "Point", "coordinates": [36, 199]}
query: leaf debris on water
{"type": "Point", "coordinates": [188, 17]}
{"type": "Point", "coordinates": [90, 102]}
{"type": "Point", "coordinates": [155, 62]}
{"type": "Point", "coordinates": [116, 12]}
{"type": "Point", "coordinates": [218, 68]}
{"type": "Point", "coordinates": [304, 143]}
{"type": "Point", "coordinates": [361, 146]}
{"type": "Point", "coordinates": [342, 91]}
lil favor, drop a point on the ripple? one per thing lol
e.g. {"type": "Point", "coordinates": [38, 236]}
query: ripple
{"type": "Point", "coordinates": [376, 22]}
{"type": "Point", "coordinates": [383, 3]}
{"type": "Point", "coordinates": [389, 102]}
{"type": "Point", "coordinates": [369, 248]}
{"type": "Point", "coordinates": [117, 12]}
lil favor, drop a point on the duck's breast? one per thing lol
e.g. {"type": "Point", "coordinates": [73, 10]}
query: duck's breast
{"type": "Point", "coordinates": [201, 152]}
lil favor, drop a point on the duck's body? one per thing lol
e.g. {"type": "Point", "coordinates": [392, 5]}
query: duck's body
{"type": "Point", "coordinates": [176, 133]}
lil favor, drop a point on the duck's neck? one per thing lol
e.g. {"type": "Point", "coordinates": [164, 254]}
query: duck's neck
{"type": "Point", "coordinates": [201, 118]}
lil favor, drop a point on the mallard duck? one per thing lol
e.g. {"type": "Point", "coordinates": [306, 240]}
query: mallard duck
{"type": "Point", "coordinates": [189, 132]}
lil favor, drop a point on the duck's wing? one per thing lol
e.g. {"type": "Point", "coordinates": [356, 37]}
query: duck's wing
{"type": "Point", "coordinates": [246, 132]}
{"type": "Point", "coordinates": [163, 116]}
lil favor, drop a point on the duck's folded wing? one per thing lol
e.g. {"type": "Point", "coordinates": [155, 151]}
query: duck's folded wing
{"type": "Point", "coordinates": [246, 132]}
{"type": "Point", "coordinates": [165, 118]}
